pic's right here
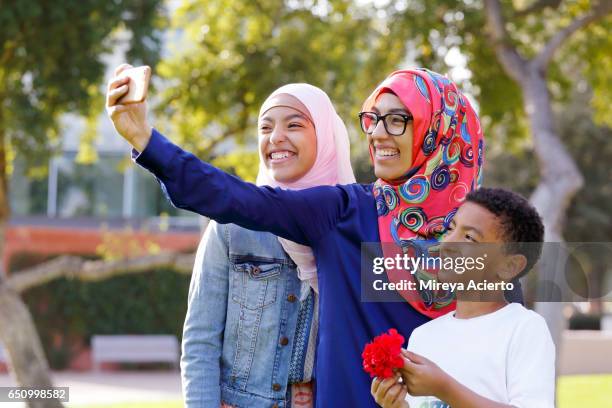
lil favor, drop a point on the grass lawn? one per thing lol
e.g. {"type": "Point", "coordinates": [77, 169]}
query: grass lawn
{"type": "Point", "coordinates": [585, 391]}
{"type": "Point", "coordinates": [165, 404]}
{"type": "Point", "coordinates": [576, 391]}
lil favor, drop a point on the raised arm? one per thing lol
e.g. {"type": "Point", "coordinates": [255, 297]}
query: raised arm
{"type": "Point", "coordinates": [301, 216]}
{"type": "Point", "coordinates": [196, 186]}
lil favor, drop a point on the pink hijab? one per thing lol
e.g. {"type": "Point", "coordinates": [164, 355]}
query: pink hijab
{"type": "Point", "coordinates": [332, 165]}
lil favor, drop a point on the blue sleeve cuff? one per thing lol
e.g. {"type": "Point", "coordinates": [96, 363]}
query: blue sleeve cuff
{"type": "Point", "coordinates": [158, 153]}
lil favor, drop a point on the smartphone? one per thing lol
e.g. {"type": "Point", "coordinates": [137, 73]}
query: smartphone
{"type": "Point", "coordinates": [137, 86]}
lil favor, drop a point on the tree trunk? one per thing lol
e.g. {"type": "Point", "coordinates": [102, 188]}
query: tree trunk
{"type": "Point", "coordinates": [560, 179]}
{"type": "Point", "coordinates": [27, 361]}
{"type": "Point", "coordinates": [18, 334]}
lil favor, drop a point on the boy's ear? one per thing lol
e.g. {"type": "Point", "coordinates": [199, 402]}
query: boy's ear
{"type": "Point", "coordinates": [512, 267]}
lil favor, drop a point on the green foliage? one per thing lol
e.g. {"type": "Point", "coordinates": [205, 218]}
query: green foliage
{"type": "Point", "coordinates": [229, 55]}
{"type": "Point", "coordinates": [67, 312]}
{"type": "Point", "coordinates": [591, 50]}
{"type": "Point", "coordinates": [431, 28]}
{"type": "Point", "coordinates": [243, 164]}
{"type": "Point", "coordinates": [590, 218]}
{"type": "Point", "coordinates": [51, 62]}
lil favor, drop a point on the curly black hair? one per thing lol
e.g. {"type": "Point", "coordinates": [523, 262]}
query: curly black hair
{"type": "Point", "coordinates": [522, 225]}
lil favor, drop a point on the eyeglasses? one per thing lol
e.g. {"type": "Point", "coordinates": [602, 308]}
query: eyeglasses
{"type": "Point", "coordinates": [394, 123]}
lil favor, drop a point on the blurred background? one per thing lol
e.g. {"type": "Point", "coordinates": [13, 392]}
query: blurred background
{"type": "Point", "coordinates": [91, 252]}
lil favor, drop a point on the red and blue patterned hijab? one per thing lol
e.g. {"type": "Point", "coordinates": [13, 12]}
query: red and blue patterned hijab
{"type": "Point", "coordinates": [447, 158]}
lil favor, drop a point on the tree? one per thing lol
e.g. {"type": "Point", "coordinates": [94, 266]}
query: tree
{"type": "Point", "coordinates": [589, 219]}
{"type": "Point", "coordinates": [230, 54]}
{"type": "Point", "coordinates": [560, 178]}
{"type": "Point", "coordinates": [51, 63]}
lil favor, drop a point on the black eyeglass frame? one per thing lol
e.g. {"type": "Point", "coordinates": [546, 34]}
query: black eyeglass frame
{"type": "Point", "coordinates": [406, 118]}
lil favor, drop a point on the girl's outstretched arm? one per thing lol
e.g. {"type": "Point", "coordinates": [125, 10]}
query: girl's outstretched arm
{"type": "Point", "coordinates": [191, 184]}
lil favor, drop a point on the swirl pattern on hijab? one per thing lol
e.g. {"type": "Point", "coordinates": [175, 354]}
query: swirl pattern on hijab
{"type": "Point", "coordinates": [447, 157]}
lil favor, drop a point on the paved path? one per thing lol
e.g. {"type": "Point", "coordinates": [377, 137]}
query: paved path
{"type": "Point", "coordinates": [112, 387]}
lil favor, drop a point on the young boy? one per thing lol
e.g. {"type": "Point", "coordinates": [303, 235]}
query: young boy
{"type": "Point", "coordinates": [487, 353]}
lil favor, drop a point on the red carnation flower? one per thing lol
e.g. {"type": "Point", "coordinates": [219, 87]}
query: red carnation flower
{"type": "Point", "coordinates": [383, 354]}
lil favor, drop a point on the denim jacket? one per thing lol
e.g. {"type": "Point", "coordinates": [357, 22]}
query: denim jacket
{"type": "Point", "coordinates": [243, 307]}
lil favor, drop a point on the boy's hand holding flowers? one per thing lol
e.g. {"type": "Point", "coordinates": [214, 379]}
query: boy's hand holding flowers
{"type": "Point", "coordinates": [423, 377]}
{"type": "Point", "coordinates": [389, 393]}
{"type": "Point", "coordinates": [420, 376]}
{"type": "Point", "coordinates": [382, 358]}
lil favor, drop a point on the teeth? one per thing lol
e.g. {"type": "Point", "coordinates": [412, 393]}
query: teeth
{"type": "Point", "coordinates": [386, 152]}
{"type": "Point", "coordinates": [279, 155]}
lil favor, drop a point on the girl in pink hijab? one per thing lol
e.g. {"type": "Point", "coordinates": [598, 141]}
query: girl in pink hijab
{"type": "Point", "coordinates": [251, 325]}
{"type": "Point", "coordinates": [332, 165]}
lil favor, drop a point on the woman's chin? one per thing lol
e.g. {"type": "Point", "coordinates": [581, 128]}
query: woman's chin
{"type": "Point", "coordinates": [284, 175]}
{"type": "Point", "coordinates": [383, 172]}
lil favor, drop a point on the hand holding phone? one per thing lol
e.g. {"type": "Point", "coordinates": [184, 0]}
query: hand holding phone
{"type": "Point", "coordinates": [126, 104]}
{"type": "Point", "coordinates": [137, 86]}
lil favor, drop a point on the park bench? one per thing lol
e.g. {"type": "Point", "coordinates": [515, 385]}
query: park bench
{"type": "Point", "coordinates": [134, 349]}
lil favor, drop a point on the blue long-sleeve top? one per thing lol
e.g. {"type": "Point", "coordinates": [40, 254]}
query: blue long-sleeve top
{"type": "Point", "coordinates": [334, 221]}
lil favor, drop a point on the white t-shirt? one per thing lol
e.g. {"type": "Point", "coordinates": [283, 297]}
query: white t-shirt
{"type": "Point", "coordinates": [507, 356]}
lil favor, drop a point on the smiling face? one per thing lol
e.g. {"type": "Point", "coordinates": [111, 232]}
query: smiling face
{"type": "Point", "coordinates": [287, 139]}
{"type": "Point", "coordinates": [392, 154]}
{"type": "Point", "coordinates": [475, 232]}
